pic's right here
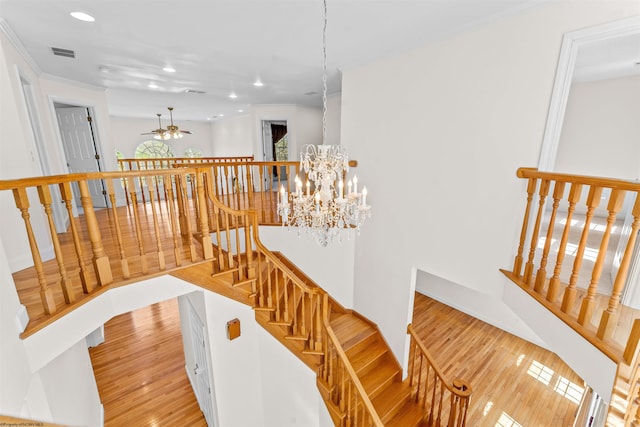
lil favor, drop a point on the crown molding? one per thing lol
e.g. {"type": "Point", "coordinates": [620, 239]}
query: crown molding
{"type": "Point", "coordinates": [18, 46]}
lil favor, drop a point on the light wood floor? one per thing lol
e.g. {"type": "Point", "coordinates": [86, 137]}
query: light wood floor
{"type": "Point", "coordinates": [140, 370]}
{"type": "Point", "coordinates": [499, 366]}
{"type": "Point", "coordinates": [142, 381]}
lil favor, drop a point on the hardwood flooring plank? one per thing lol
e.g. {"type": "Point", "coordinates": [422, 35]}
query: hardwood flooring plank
{"type": "Point", "coordinates": [499, 366]}
{"type": "Point", "coordinates": [140, 370]}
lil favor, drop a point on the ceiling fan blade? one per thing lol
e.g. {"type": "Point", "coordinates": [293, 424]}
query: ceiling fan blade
{"type": "Point", "coordinates": [186, 131]}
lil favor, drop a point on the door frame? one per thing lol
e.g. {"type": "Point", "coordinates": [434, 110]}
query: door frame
{"type": "Point", "coordinates": [571, 42]}
{"type": "Point", "coordinates": [53, 100]}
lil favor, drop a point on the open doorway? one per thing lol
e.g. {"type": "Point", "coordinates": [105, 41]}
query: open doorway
{"type": "Point", "coordinates": [81, 148]}
{"type": "Point", "coordinates": [275, 143]}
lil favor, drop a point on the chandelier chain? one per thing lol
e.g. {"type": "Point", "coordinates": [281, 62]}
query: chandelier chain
{"type": "Point", "coordinates": [333, 206]}
{"type": "Point", "coordinates": [324, 75]}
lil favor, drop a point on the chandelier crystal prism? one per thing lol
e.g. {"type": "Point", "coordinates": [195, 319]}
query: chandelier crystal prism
{"type": "Point", "coordinates": [330, 208]}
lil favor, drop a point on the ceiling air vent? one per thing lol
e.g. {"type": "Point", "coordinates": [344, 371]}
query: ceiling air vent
{"type": "Point", "coordinates": [67, 53]}
{"type": "Point", "coordinates": [199, 92]}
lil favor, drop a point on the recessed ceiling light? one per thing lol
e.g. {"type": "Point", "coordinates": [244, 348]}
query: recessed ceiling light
{"type": "Point", "coordinates": [220, 115]}
{"type": "Point", "coordinates": [233, 95]}
{"type": "Point", "coordinates": [152, 85]}
{"type": "Point", "coordinates": [83, 16]}
{"type": "Point", "coordinates": [104, 69]}
{"type": "Point", "coordinates": [168, 69]}
{"type": "Point", "coordinates": [240, 111]}
{"type": "Point", "coordinates": [258, 83]}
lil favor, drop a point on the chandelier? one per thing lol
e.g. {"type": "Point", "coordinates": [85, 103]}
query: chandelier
{"type": "Point", "coordinates": [330, 208]}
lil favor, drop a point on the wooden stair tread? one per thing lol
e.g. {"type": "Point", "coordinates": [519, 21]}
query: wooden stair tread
{"type": "Point", "coordinates": [367, 353]}
{"type": "Point", "coordinates": [201, 275]}
{"type": "Point", "coordinates": [389, 402]}
{"type": "Point", "coordinates": [410, 415]}
{"type": "Point", "coordinates": [350, 330]}
{"type": "Point", "coordinates": [380, 376]}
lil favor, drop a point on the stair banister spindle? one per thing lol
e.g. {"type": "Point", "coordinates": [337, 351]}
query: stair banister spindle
{"type": "Point", "coordinates": [554, 282]}
{"type": "Point", "coordinates": [44, 193]}
{"type": "Point", "coordinates": [541, 275]}
{"type": "Point", "coordinates": [67, 197]}
{"type": "Point", "coordinates": [610, 315]}
{"type": "Point", "coordinates": [138, 230]}
{"type": "Point", "coordinates": [22, 203]}
{"type": "Point", "coordinates": [168, 185]}
{"type": "Point", "coordinates": [517, 264]}
{"type": "Point", "coordinates": [593, 200]}
{"type": "Point", "coordinates": [207, 246]}
{"type": "Point", "coordinates": [615, 204]}
{"type": "Point", "coordinates": [183, 201]}
{"type": "Point", "coordinates": [100, 258]}
{"type": "Point", "coordinates": [124, 264]}
{"type": "Point", "coordinates": [156, 227]}
{"type": "Point", "coordinates": [528, 268]}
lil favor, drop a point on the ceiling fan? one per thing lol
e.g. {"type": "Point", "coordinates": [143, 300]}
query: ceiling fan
{"type": "Point", "coordinates": [171, 132]}
{"type": "Point", "coordinates": [159, 133]}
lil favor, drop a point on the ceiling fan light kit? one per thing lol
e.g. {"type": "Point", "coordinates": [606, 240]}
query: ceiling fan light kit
{"type": "Point", "coordinates": [171, 132]}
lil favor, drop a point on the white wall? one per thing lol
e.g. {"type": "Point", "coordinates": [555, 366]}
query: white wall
{"type": "Point", "coordinates": [461, 116]}
{"type": "Point", "coordinates": [71, 389]}
{"type": "Point", "coordinates": [331, 267]}
{"type": "Point", "coordinates": [234, 137]}
{"type": "Point", "coordinates": [125, 135]}
{"type": "Point", "coordinates": [243, 135]}
{"type": "Point", "coordinates": [600, 133]}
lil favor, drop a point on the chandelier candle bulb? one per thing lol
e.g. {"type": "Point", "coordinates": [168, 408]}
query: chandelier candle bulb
{"type": "Point", "coordinates": [341, 187]}
{"type": "Point", "coordinates": [364, 197]}
{"type": "Point", "coordinates": [308, 187]}
{"type": "Point", "coordinates": [355, 184]}
{"type": "Point", "coordinates": [349, 187]}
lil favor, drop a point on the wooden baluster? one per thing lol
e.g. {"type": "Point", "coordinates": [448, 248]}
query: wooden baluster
{"type": "Point", "coordinates": [541, 275]}
{"type": "Point", "coordinates": [610, 315]}
{"type": "Point", "coordinates": [116, 220]}
{"type": "Point", "coordinates": [180, 197]}
{"type": "Point", "coordinates": [207, 245]}
{"type": "Point", "coordinates": [593, 200]}
{"type": "Point", "coordinates": [588, 303]}
{"type": "Point", "coordinates": [250, 187]}
{"type": "Point", "coordinates": [236, 185]}
{"type": "Point", "coordinates": [554, 282]}
{"type": "Point", "coordinates": [22, 203]}
{"type": "Point", "coordinates": [241, 271]}
{"type": "Point", "coordinates": [528, 268]}
{"type": "Point", "coordinates": [319, 343]}
{"type": "Point", "coordinates": [251, 270]}
{"type": "Point", "coordinates": [269, 285]}
{"type": "Point", "coordinates": [631, 348]}
{"type": "Point", "coordinates": [216, 177]}
{"type": "Point", "coordinates": [136, 219]}
{"type": "Point", "coordinates": [168, 185]}
{"type": "Point", "coordinates": [156, 228]}
{"type": "Point", "coordinates": [100, 259]}
{"type": "Point", "coordinates": [67, 198]}
{"type": "Point", "coordinates": [286, 285]}
{"type": "Point", "coordinates": [184, 201]}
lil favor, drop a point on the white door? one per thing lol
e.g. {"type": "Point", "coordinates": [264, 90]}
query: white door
{"type": "Point", "coordinates": [203, 391]}
{"type": "Point", "coordinates": [80, 149]}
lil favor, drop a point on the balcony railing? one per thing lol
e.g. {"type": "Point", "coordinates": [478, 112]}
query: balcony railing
{"type": "Point", "coordinates": [566, 244]}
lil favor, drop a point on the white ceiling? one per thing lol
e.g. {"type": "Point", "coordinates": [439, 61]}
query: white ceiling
{"type": "Point", "coordinates": [223, 46]}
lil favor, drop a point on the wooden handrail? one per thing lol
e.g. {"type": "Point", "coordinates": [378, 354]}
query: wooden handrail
{"type": "Point", "coordinates": [548, 283]}
{"type": "Point", "coordinates": [170, 162]}
{"type": "Point", "coordinates": [341, 396]}
{"type": "Point", "coordinates": [427, 392]}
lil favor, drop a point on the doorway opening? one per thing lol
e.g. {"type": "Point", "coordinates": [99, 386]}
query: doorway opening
{"type": "Point", "coordinates": [275, 143]}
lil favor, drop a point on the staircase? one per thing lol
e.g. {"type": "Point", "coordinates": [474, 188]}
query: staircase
{"type": "Point", "coordinates": [291, 316]}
